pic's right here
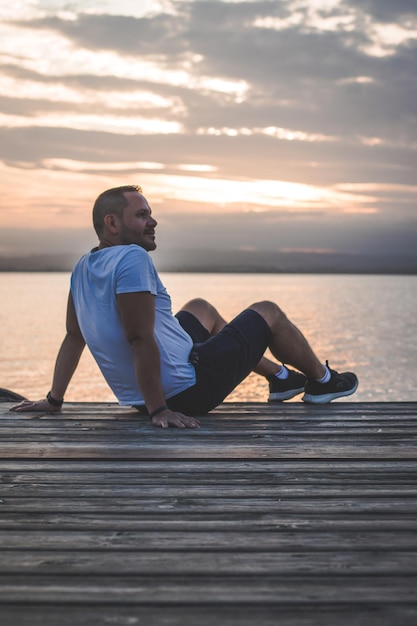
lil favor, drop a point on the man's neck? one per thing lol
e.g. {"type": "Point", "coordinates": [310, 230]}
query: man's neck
{"type": "Point", "coordinates": [105, 243]}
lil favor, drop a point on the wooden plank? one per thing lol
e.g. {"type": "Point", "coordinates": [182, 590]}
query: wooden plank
{"type": "Point", "coordinates": [377, 449]}
{"type": "Point", "coordinates": [163, 519]}
{"type": "Point", "coordinates": [211, 469]}
{"type": "Point", "coordinates": [231, 412]}
{"type": "Point", "coordinates": [207, 615]}
{"type": "Point", "coordinates": [25, 479]}
{"type": "Point", "coordinates": [209, 491]}
{"type": "Point", "coordinates": [332, 539]}
{"type": "Point", "coordinates": [224, 562]}
{"type": "Point", "coordinates": [344, 506]}
{"type": "Point", "coordinates": [216, 589]}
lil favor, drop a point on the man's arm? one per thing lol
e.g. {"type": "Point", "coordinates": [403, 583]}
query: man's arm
{"type": "Point", "coordinates": [66, 363]}
{"type": "Point", "coordinates": [137, 313]}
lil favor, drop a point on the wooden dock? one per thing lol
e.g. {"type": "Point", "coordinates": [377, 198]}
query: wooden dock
{"type": "Point", "coordinates": [289, 515]}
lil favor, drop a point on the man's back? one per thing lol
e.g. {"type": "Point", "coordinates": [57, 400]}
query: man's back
{"type": "Point", "coordinates": [98, 278]}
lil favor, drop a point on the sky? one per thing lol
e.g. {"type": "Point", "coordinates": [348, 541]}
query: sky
{"type": "Point", "coordinates": [283, 125]}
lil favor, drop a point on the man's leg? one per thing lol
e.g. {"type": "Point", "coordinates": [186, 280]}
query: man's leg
{"type": "Point", "coordinates": [288, 344]}
{"type": "Point", "coordinates": [211, 319]}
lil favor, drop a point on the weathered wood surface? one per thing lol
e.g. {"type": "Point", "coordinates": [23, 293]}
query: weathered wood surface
{"type": "Point", "coordinates": [291, 514]}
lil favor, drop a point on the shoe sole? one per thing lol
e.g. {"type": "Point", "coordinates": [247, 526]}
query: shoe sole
{"type": "Point", "coordinates": [284, 395]}
{"type": "Point", "coordinates": [327, 397]}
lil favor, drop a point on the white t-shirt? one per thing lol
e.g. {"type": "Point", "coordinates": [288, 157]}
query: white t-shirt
{"type": "Point", "coordinates": [97, 278]}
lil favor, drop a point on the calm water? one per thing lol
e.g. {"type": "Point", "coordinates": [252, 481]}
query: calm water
{"type": "Point", "coordinates": [364, 323]}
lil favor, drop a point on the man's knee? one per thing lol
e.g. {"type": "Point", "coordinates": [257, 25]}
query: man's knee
{"type": "Point", "coordinates": [198, 305]}
{"type": "Point", "coordinates": [206, 313]}
{"type": "Point", "coordinates": [271, 312]}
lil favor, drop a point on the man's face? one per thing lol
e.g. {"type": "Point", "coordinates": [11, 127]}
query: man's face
{"type": "Point", "coordinates": [138, 225]}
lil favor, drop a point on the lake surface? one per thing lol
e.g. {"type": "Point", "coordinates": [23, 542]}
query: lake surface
{"type": "Point", "coordinates": [367, 324]}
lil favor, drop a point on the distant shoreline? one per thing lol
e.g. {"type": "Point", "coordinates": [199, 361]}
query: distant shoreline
{"type": "Point", "coordinates": [238, 262]}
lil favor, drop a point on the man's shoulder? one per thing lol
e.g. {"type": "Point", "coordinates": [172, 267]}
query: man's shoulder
{"type": "Point", "coordinates": [107, 261]}
{"type": "Point", "coordinates": [113, 253]}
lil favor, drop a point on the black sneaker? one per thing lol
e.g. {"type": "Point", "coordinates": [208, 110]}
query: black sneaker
{"type": "Point", "coordinates": [339, 385]}
{"type": "Point", "coordinates": [283, 389]}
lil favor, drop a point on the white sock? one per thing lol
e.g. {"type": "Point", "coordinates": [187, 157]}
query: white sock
{"type": "Point", "coordinates": [327, 376]}
{"type": "Point", "coordinates": [283, 373]}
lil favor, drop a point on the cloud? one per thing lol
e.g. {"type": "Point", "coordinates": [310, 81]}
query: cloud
{"type": "Point", "coordinates": [125, 34]}
{"type": "Point", "coordinates": [299, 78]}
{"type": "Point", "coordinates": [386, 10]}
{"type": "Point", "coordinates": [318, 93]}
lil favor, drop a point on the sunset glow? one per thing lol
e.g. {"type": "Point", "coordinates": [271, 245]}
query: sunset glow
{"type": "Point", "coordinates": [302, 109]}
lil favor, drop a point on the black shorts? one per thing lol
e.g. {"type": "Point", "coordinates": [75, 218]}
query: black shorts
{"type": "Point", "coordinates": [221, 362]}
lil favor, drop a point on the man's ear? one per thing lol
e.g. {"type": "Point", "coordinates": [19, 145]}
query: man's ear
{"type": "Point", "coordinates": [112, 223]}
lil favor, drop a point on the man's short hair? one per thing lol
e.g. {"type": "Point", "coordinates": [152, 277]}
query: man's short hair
{"type": "Point", "coordinates": [112, 201]}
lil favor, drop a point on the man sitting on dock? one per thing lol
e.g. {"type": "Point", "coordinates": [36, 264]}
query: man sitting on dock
{"type": "Point", "coordinates": [172, 367]}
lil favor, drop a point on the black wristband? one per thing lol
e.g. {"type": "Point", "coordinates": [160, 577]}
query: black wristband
{"type": "Point", "coordinates": [53, 401]}
{"type": "Point", "coordinates": [159, 410]}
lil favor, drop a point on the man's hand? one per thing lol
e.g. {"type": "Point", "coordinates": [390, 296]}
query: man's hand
{"type": "Point", "coordinates": [42, 406]}
{"type": "Point", "coordinates": [168, 417]}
